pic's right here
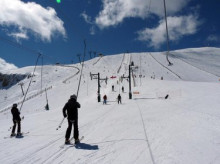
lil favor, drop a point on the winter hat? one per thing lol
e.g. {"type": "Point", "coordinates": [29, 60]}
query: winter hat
{"type": "Point", "coordinates": [15, 105]}
{"type": "Point", "coordinates": [73, 97]}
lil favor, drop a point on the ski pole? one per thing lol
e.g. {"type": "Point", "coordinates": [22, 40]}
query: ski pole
{"type": "Point", "coordinates": [60, 123]}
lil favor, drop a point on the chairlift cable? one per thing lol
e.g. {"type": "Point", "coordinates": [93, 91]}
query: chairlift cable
{"type": "Point", "coordinates": [41, 72]}
{"type": "Point", "coordinates": [168, 43]}
{"type": "Point", "coordinates": [25, 48]}
{"type": "Point", "coordinates": [30, 81]}
{"type": "Point", "coordinates": [82, 68]}
{"type": "Point", "coordinates": [15, 44]}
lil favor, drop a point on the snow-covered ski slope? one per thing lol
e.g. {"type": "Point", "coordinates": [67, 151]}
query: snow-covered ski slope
{"type": "Point", "coordinates": [183, 129]}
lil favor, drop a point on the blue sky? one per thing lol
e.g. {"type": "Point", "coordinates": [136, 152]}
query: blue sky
{"type": "Point", "coordinates": [108, 26]}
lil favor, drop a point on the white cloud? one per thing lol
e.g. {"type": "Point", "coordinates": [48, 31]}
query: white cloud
{"type": "Point", "coordinates": [177, 26]}
{"type": "Point", "coordinates": [115, 11]}
{"type": "Point", "coordinates": [213, 38]}
{"type": "Point", "coordinates": [86, 18]}
{"type": "Point", "coordinates": [30, 17]}
{"type": "Point", "coordinates": [172, 6]}
{"type": "Point", "coordinates": [6, 66]}
{"type": "Point", "coordinates": [21, 34]}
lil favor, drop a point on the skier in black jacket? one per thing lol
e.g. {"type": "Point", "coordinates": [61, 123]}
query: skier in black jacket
{"type": "Point", "coordinates": [16, 120]}
{"type": "Point", "coordinates": [72, 115]}
{"type": "Point", "coordinates": [119, 98]}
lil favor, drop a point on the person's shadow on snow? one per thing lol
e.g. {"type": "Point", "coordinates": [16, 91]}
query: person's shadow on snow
{"type": "Point", "coordinates": [86, 146]}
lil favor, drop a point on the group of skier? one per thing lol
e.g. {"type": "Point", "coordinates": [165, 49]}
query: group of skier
{"type": "Point", "coordinates": [70, 111]}
{"type": "Point", "coordinates": [118, 97]}
{"type": "Point", "coordinates": [105, 99]}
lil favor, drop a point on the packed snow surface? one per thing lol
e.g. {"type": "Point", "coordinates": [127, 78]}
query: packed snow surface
{"type": "Point", "coordinates": [183, 129]}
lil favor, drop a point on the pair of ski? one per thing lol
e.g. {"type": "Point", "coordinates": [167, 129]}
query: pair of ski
{"type": "Point", "coordinates": [72, 144]}
{"type": "Point", "coordinates": [18, 136]}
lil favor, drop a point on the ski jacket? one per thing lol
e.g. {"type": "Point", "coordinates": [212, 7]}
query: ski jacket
{"type": "Point", "coordinates": [15, 113]}
{"type": "Point", "coordinates": [105, 97]}
{"type": "Point", "coordinates": [71, 107]}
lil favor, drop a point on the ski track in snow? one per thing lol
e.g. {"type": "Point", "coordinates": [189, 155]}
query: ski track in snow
{"type": "Point", "coordinates": [29, 157]}
{"type": "Point", "coordinates": [146, 136]}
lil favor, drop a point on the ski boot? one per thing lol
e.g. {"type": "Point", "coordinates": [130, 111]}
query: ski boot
{"type": "Point", "coordinates": [67, 141]}
{"type": "Point", "coordinates": [19, 134]}
{"type": "Point", "coordinates": [13, 134]}
{"type": "Point", "coordinates": [77, 141]}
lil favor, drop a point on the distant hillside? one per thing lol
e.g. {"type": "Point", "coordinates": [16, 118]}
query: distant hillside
{"type": "Point", "coordinates": [6, 81]}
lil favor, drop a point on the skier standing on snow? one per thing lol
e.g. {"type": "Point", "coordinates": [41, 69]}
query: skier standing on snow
{"type": "Point", "coordinates": [113, 87]}
{"type": "Point", "coordinates": [122, 89]}
{"type": "Point", "coordinates": [119, 98]}
{"type": "Point", "coordinates": [104, 99]}
{"type": "Point", "coordinates": [72, 112]}
{"type": "Point", "coordinates": [16, 120]}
